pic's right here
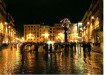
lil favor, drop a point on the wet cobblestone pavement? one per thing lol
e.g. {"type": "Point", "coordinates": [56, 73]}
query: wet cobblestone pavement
{"type": "Point", "coordinates": [68, 61]}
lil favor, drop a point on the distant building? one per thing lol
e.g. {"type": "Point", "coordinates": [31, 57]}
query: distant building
{"type": "Point", "coordinates": [45, 34]}
{"type": "Point", "coordinates": [57, 29]}
{"type": "Point", "coordinates": [32, 32]}
{"type": "Point", "coordinates": [73, 32]}
{"type": "Point", "coordinates": [52, 33]}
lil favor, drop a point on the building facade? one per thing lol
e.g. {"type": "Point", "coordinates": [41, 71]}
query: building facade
{"type": "Point", "coordinates": [52, 33]}
{"type": "Point", "coordinates": [58, 31]}
{"type": "Point", "coordinates": [36, 33]}
{"type": "Point", "coordinates": [2, 20]}
{"type": "Point", "coordinates": [73, 32]}
{"type": "Point", "coordinates": [7, 30]}
{"type": "Point", "coordinates": [93, 23]}
{"type": "Point", "coordinates": [31, 32]}
{"type": "Point", "coordinates": [45, 33]}
{"type": "Point", "coordinates": [10, 33]}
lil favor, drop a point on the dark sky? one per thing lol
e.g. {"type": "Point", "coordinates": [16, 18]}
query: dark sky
{"type": "Point", "coordinates": [47, 11]}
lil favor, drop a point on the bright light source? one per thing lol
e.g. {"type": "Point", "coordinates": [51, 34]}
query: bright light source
{"type": "Point", "coordinates": [50, 42]}
{"type": "Point", "coordinates": [5, 23]}
{"type": "Point", "coordinates": [9, 27]}
{"type": "Point", "coordinates": [88, 23]}
{"type": "Point", "coordinates": [29, 35]}
{"type": "Point", "coordinates": [22, 39]}
{"type": "Point", "coordinates": [92, 17]}
{"type": "Point", "coordinates": [61, 34]}
{"type": "Point", "coordinates": [84, 28]}
{"type": "Point", "coordinates": [80, 24]}
{"type": "Point", "coordinates": [46, 35]}
{"type": "Point", "coordinates": [81, 29]}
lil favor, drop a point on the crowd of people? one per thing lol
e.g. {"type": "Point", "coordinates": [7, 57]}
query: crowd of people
{"type": "Point", "coordinates": [50, 48]}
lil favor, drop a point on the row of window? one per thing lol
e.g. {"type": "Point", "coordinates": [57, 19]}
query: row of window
{"type": "Point", "coordinates": [36, 39]}
{"type": "Point", "coordinates": [31, 29]}
{"type": "Point", "coordinates": [37, 29]}
{"type": "Point", "coordinates": [31, 26]}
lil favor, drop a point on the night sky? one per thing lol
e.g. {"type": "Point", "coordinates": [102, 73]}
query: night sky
{"type": "Point", "coordinates": [45, 11]}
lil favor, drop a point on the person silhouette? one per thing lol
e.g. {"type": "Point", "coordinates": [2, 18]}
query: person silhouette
{"type": "Point", "coordinates": [50, 48]}
{"type": "Point", "coordinates": [89, 48]}
{"type": "Point", "coordinates": [84, 49]}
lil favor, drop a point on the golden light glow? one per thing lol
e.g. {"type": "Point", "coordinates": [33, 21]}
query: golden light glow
{"type": "Point", "coordinates": [22, 39]}
{"type": "Point", "coordinates": [88, 23]}
{"type": "Point", "coordinates": [30, 37]}
{"type": "Point", "coordinates": [5, 23]}
{"type": "Point", "coordinates": [46, 35]}
{"type": "Point", "coordinates": [50, 42]}
{"type": "Point", "coordinates": [60, 37]}
{"type": "Point", "coordinates": [9, 27]}
{"type": "Point", "coordinates": [1, 27]}
{"type": "Point", "coordinates": [92, 17]}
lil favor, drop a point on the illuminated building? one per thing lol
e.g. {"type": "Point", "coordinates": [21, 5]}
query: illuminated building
{"type": "Point", "coordinates": [45, 33]}
{"type": "Point", "coordinates": [52, 33]}
{"type": "Point", "coordinates": [93, 23]}
{"type": "Point", "coordinates": [2, 19]}
{"type": "Point", "coordinates": [11, 31]}
{"type": "Point", "coordinates": [32, 32]}
{"type": "Point", "coordinates": [73, 34]}
{"type": "Point", "coordinates": [7, 30]}
{"type": "Point", "coordinates": [39, 33]}
{"type": "Point", "coordinates": [57, 29]}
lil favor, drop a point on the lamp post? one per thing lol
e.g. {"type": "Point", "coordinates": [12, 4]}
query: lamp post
{"type": "Point", "coordinates": [65, 24]}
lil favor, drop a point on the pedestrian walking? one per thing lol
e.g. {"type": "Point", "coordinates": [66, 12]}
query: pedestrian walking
{"type": "Point", "coordinates": [89, 48]}
{"type": "Point", "coordinates": [45, 47]}
{"type": "Point", "coordinates": [36, 48]}
{"type": "Point", "coordinates": [84, 48]}
{"type": "Point", "coordinates": [55, 47]}
{"type": "Point", "coordinates": [50, 48]}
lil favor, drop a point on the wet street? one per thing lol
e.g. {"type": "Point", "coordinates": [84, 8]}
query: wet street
{"type": "Point", "coordinates": [66, 61]}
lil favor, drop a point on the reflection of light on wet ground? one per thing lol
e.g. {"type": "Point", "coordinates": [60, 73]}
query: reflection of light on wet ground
{"type": "Point", "coordinates": [79, 63]}
{"type": "Point", "coordinates": [9, 61]}
{"type": "Point", "coordinates": [63, 62]}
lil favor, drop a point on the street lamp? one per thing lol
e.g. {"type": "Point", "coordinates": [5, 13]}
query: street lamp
{"type": "Point", "coordinates": [65, 24]}
{"type": "Point", "coordinates": [46, 35]}
{"type": "Point", "coordinates": [92, 17]}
